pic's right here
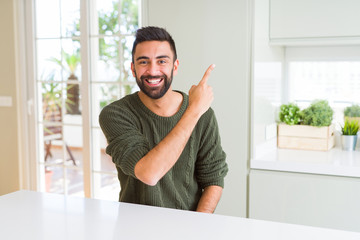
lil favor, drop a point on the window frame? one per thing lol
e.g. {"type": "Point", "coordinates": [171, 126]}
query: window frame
{"type": "Point", "coordinates": [30, 173]}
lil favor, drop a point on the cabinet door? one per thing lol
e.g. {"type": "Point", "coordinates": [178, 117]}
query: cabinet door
{"type": "Point", "coordinates": [305, 199]}
{"type": "Point", "coordinates": [299, 19]}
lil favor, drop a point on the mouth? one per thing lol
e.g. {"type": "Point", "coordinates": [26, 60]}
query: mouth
{"type": "Point", "coordinates": [153, 81]}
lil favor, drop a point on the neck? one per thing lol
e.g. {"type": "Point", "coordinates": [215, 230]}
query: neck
{"type": "Point", "coordinates": [166, 106]}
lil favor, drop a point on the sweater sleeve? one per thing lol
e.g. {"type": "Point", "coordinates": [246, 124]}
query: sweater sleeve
{"type": "Point", "coordinates": [211, 167]}
{"type": "Point", "coordinates": [126, 144]}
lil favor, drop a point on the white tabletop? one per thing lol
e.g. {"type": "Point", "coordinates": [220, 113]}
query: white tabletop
{"type": "Point", "coordinates": [34, 215]}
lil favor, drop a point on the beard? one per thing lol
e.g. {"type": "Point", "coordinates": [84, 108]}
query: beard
{"type": "Point", "coordinates": [154, 93]}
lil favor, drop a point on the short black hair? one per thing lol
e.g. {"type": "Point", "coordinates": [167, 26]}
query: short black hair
{"type": "Point", "coordinates": [152, 33]}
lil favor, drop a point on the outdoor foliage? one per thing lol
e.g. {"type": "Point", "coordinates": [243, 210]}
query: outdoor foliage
{"type": "Point", "coordinates": [352, 111]}
{"type": "Point", "coordinates": [113, 52]}
{"type": "Point", "coordinates": [350, 127]}
{"type": "Point", "coordinates": [319, 114]}
{"type": "Point", "coordinates": [289, 114]}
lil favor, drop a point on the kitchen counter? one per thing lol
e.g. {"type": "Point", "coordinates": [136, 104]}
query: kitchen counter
{"type": "Point", "coordinates": [34, 215]}
{"type": "Point", "coordinates": [335, 162]}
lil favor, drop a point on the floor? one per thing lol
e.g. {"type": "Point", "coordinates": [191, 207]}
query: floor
{"type": "Point", "coordinates": [67, 178]}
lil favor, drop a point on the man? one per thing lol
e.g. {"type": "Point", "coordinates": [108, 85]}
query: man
{"type": "Point", "coordinates": [165, 144]}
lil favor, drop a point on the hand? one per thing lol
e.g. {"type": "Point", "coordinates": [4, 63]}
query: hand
{"type": "Point", "coordinates": [201, 95]}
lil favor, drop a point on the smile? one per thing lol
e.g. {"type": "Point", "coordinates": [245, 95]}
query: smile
{"type": "Point", "coordinates": [153, 81]}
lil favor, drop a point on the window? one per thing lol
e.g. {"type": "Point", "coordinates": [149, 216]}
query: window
{"type": "Point", "coordinates": [304, 74]}
{"type": "Point", "coordinates": [82, 63]}
{"type": "Point", "coordinates": [331, 73]}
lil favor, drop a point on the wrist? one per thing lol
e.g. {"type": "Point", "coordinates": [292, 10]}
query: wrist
{"type": "Point", "coordinates": [193, 113]}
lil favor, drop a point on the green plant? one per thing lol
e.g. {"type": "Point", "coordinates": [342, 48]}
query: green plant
{"type": "Point", "coordinates": [52, 96]}
{"type": "Point", "coordinates": [352, 111]}
{"type": "Point", "coordinates": [350, 127]}
{"type": "Point", "coordinates": [289, 114]}
{"type": "Point", "coordinates": [70, 63]}
{"type": "Point", "coordinates": [318, 114]}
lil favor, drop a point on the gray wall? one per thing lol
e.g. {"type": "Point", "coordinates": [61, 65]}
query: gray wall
{"type": "Point", "coordinates": [212, 31]}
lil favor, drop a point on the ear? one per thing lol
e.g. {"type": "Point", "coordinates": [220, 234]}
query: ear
{"type": "Point", "coordinates": [133, 69]}
{"type": "Point", "coordinates": [176, 66]}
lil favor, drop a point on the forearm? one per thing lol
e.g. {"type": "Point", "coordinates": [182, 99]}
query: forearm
{"type": "Point", "coordinates": [158, 161]}
{"type": "Point", "coordinates": [209, 199]}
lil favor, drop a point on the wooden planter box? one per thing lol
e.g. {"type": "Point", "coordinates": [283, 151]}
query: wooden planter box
{"type": "Point", "coordinates": [305, 137]}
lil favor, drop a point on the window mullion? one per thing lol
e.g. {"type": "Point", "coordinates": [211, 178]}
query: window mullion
{"type": "Point", "coordinates": [85, 99]}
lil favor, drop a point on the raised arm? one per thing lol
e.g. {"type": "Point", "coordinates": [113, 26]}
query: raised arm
{"type": "Point", "coordinates": [158, 161]}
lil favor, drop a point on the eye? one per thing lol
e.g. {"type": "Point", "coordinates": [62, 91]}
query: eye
{"type": "Point", "coordinates": [162, 61]}
{"type": "Point", "coordinates": [142, 62]}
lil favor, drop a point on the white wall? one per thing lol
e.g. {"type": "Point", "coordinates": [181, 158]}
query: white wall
{"type": "Point", "coordinates": [267, 81]}
{"type": "Point", "coordinates": [212, 31]}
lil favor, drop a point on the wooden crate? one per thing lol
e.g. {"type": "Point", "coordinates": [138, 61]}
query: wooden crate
{"type": "Point", "coordinates": [305, 137]}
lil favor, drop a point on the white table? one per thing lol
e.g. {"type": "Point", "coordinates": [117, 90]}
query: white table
{"type": "Point", "coordinates": [34, 215]}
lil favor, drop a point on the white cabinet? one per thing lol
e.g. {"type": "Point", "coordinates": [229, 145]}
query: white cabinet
{"type": "Point", "coordinates": [306, 199]}
{"type": "Point", "coordinates": [304, 22]}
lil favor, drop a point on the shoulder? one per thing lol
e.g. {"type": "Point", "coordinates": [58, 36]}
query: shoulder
{"type": "Point", "coordinates": [117, 108]}
{"type": "Point", "coordinates": [208, 116]}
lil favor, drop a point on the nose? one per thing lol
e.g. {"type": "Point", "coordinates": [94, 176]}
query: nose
{"type": "Point", "coordinates": [152, 69]}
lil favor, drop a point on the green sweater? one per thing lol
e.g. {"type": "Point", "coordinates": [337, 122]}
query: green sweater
{"type": "Point", "coordinates": [132, 130]}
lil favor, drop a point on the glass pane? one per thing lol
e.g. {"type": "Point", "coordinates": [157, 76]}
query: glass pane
{"type": "Point", "coordinates": [70, 59]}
{"type": "Point", "coordinates": [101, 161]}
{"type": "Point", "coordinates": [73, 142]}
{"type": "Point", "coordinates": [335, 81]}
{"type": "Point", "coordinates": [54, 179]}
{"type": "Point", "coordinates": [52, 101]}
{"type": "Point", "coordinates": [75, 182]}
{"type": "Point", "coordinates": [73, 104]}
{"type": "Point", "coordinates": [47, 18]}
{"type": "Point", "coordinates": [108, 21]}
{"type": "Point", "coordinates": [107, 17]}
{"type": "Point", "coordinates": [106, 187]}
{"type": "Point", "coordinates": [53, 145]}
{"type": "Point", "coordinates": [129, 18]}
{"type": "Point", "coordinates": [126, 59]}
{"type": "Point", "coordinates": [70, 18]}
{"type": "Point", "coordinates": [105, 53]}
{"type": "Point", "coordinates": [48, 55]}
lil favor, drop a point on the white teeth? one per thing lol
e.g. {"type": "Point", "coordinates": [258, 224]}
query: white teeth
{"type": "Point", "coordinates": [154, 81]}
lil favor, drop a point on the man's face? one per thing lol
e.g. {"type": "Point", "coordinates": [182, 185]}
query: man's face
{"type": "Point", "coordinates": [154, 67]}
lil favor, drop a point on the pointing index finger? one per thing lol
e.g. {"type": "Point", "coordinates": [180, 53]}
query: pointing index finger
{"type": "Point", "coordinates": [207, 74]}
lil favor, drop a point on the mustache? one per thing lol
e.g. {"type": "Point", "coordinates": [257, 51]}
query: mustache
{"type": "Point", "coordinates": [143, 77]}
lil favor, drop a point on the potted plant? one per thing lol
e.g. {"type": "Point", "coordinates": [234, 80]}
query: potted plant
{"type": "Point", "coordinates": [73, 93]}
{"type": "Point", "coordinates": [309, 129]}
{"type": "Point", "coordinates": [352, 113]}
{"type": "Point", "coordinates": [349, 134]}
{"type": "Point", "coordinates": [318, 114]}
{"type": "Point", "coordinates": [289, 114]}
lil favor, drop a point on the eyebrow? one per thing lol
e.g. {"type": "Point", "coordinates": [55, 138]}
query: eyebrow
{"type": "Point", "coordinates": [158, 57]}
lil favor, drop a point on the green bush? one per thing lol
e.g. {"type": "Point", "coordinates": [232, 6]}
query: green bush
{"type": "Point", "coordinates": [350, 127]}
{"type": "Point", "coordinates": [319, 114]}
{"type": "Point", "coordinates": [289, 114]}
{"type": "Point", "coordinates": [352, 111]}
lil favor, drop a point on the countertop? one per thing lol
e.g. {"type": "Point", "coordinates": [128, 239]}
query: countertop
{"type": "Point", "coordinates": [35, 215]}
